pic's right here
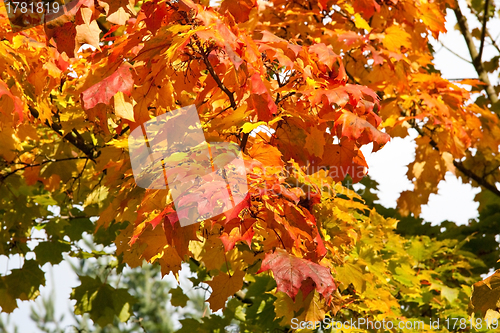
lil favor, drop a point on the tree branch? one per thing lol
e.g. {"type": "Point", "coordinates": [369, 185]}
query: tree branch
{"type": "Point", "coordinates": [244, 140]}
{"type": "Point", "coordinates": [221, 85]}
{"type": "Point", "coordinates": [483, 31]}
{"type": "Point", "coordinates": [72, 137]}
{"type": "Point", "coordinates": [27, 165]}
{"type": "Point", "coordinates": [481, 181]}
{"type": "Point", "coordinates": [476, 61]}
{"type": "Point", "coordinates": [493, 42]}
{"type": "Point", "coordinates": [280, 99]}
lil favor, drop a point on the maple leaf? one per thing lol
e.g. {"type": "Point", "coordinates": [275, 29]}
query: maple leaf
{"type": "Point", "coordinates": [395, 38]}
{"type": "Point", "coordinates": [18, 109]}
{"type": "Point", "coordinates": [102, 301]}
{"type": "Point", "coordinates": [244, 65]}
{"type": "Point", "coordinates": [22, 283]}
{"type": "Point", "coordinates": [315, 142]}
{"type": "Point", "coordinates": [267, 154]}
{"type": "Point", "coordinates": [123, 107]}
{"type": "Point", "coordinates": [118, 12]}
{"type": "Point", "coordinates": [354, 128]}
{"type": "Point", "coordinates": [485, 295]}
{"type": "Point", "coordinates": [102, 92]}
{"type": "Point", "coordinates": [236, 210]}
{"type": "Point", "coordinates": [291, 273]}
{"type": "Point", "coordinates": [178, 297]}
{"type": "Point", "coordinates": [239, 9]}
{"type": "Point", "coordinates": [343, 159]}
{"type": "Point", "coordinates": [223, 286]}
{"type": "Point", "coordinates": [260, 99]}
{"type": "Point", "coordinates": [366, 7]}
{"type": "Point", "coordinates": [324, 53]}
{"type": "Point", "coordinates": [236, 231]}
{"type": "Point", "coordinates": [87, 32]}
{"type": "Point", "coordinates": [180, 237]}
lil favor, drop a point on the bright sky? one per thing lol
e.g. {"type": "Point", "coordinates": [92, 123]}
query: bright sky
{"type": "Point", "coordinates": [453, 202]}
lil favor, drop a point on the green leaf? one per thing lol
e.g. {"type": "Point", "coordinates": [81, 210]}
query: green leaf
{"type": "Point", "coordinates": [77, 227]}
{"type": "Point", "coordinates": [417, 250]}
{"type": "Point", "coordinates": [178, 297]}
{"type": "Point", "coordinates": [449, 293]}
{"type": "Point", "coordinates": [97, 196]}
{"type": "Point", "coordinates": [101, 301]}
{"type": "Point", "coordinates": [51, 251]}
{"type": "Point", "coordinates": [44, 200]}
{"type": "Point", "coordinates": [23, 284]}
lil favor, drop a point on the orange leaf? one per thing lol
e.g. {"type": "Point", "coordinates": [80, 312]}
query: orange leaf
{"type": "Point", "coordinates": [354, 128]}
{"type": "Point", "coordinates": [239, 9]}
{"type": "Point", "coordinates": [266, 153]}
{"type": "Point", "coordinates": [224, 286]}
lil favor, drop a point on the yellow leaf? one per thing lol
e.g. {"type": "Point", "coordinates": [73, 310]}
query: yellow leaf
{"type": "Point", "coordinates": [361, 23]}
{"type": "Point", "coordinates": [315, 142]}
{"type": "Point", "coordinates": [119, 143]}
{"type": "Point", "coordinates": [284, 307]}
{"type": "Point", "coordinates": [349, 273]}
{"type": "Point", "coordinates": [316, 310]}
{"type": "Point", "coordinates": [213, 255]}
{"type": "Point", "coordinates": [395, 37]}
{"type": "Point", "coordinates": [144, 96]}
{"type": "Point", "coordinates": [248, 127]}
{"type": "Point", "coordinates": [131, 254]}
{"type": "Point", "coordinates": [123, 106]}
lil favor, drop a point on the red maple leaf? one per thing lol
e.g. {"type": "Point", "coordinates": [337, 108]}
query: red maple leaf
{"type": "Point", "coordinates": [260, 99]}
{"type": "Point", "coordinates": [291, 274]}
{"type": "Point", "coordinates": [102, 92]}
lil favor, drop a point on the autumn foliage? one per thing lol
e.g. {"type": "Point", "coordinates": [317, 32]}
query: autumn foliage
{"type": "Point", "coordinates": [324, 77]}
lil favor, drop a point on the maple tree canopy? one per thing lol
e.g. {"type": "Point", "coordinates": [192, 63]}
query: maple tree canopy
{"type": "Point", "coordinates": [324, 78]}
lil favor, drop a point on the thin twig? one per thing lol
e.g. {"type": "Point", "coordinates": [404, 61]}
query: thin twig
{"type": "Point", "coordinates": [26, 165]}
{"type": "Point", "coordinates": [455, 54]}
{"type": "Point", "coordinates": [279, 98]}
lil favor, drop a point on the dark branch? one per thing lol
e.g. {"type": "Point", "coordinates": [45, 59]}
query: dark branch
{"type": "Point", "coordinates": [72, 137]}
{"type": "Point", "coordinates": [221, 85]}
{"type": "Point", "coordinates": [280, 99]}
{"type": "Point", "coordinates": [483, 32]}
{"type": "Point", "coordinates": [244, 141]}
{"type": "Point", "coordinates": [481, 181]}
{"type": "Point", "coordinates": [27, 165]}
